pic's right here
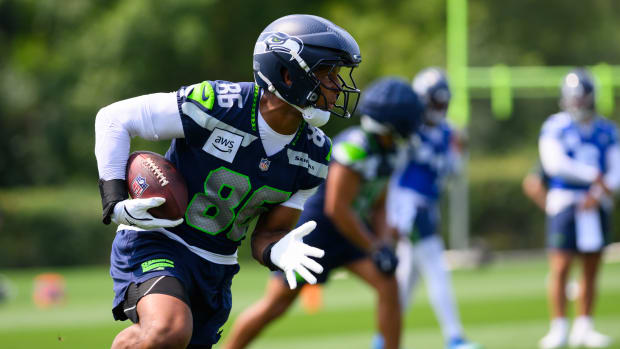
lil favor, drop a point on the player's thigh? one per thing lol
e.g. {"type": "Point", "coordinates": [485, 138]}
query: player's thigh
{"type": "Point", "coordinates": [160, 305]}
{"type": "Point", "coordinates": [560, 261]}
{"type": "Point", "coordinates": [164, 313]}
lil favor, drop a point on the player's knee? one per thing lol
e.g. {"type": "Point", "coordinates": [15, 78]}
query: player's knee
{"type": "Point", "coordinates": [387, 287]}
{"type": "Point", "coordinates": [168, 335]}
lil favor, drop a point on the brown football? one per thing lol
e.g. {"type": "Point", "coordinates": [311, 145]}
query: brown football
{"type": "Point", "coordinates": [149, 175]}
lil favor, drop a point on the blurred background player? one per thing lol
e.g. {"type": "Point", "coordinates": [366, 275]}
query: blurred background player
{"type": "Point", "coordinates": [348, 208]}
{"type": "Point", "coordinates": [274, 157]}
{"type": "Point", "coordinates": [579, 152]}
{"type": "Point", "coordinates": [413, 207]}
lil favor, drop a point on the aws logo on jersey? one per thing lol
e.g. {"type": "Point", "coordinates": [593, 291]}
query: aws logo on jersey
{"type": "Point", "coordinates": [281, 42]}
{"type": "Point", "coordinates": [223, 144]}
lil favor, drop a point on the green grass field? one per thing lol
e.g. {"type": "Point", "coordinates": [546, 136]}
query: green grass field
{"type": "Point", "coordinates": [503, 306]}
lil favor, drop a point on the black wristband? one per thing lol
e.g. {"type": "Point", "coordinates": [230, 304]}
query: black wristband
{"type": "Point", "coordinates": [112, 192]}
{"type": "Point", "coordinates": [267, 258]}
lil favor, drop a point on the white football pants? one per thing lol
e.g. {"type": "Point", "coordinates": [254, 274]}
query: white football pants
{"type": "Point", "coordinates": [425, 257]}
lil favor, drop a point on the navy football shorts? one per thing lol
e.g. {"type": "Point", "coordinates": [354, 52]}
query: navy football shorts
{"type": "Point", "coordinates": [562, 233]}
{"type": "Point", "coordinates": [139, 256]}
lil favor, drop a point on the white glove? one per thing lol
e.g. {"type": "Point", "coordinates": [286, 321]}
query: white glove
{"type": "Point", "coordinates": [291, 255]}
{"type": "Point", "coordinates": [134, 212]}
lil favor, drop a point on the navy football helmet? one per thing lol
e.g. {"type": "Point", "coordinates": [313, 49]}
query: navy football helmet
{"type": "Point", "coordinates": [303, 44]}
{"type": "Point", "coordinates": [431, 84]}
{"type": "Point", "coordinates": [578, 95]}
{"type": "Point", "coordinates": [389, 105]}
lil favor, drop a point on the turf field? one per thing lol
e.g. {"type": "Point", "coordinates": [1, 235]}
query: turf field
{"type": "Point", "coordinates": [502, 306]}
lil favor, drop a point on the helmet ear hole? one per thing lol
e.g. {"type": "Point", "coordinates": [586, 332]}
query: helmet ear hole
{"type": "Point", "coordinates": [286, 77]}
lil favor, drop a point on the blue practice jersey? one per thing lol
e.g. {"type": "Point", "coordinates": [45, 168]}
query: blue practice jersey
{"type": "Point", "coordinates": [429, 161]}
{"type": "Point", "coordinates": [360, 152]}
{"type": "Point", "coordinates": [588, 145]}
{"type": "Point", "coordinates": [230, 178]}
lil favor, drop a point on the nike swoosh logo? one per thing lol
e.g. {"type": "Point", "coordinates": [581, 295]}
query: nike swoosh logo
{"type": "Point", "coordinates": [204, 98]}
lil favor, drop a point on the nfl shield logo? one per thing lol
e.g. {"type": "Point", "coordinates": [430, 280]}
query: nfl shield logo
{"type": "Point", "coordinates": [138, 186]}
{"type": "Point", "coordinates": [264, 164]}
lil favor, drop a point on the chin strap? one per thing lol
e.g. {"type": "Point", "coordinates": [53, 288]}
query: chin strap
{"type": "Point", "coordinates": [314, 116]}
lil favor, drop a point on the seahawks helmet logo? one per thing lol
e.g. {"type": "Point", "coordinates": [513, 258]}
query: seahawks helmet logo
{"type": "Point", "coordinates": [280, 42]}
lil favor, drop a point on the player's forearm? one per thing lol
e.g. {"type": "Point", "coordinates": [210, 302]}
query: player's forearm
{"type": "Point", "coordinates": [351, 226]}
{"type": "Point", "coordinates": [535, 190]}
{"type": "Point", "coordinates": [270, 228]}
{"type": "Point", "coordinates": [378, 218]}
{"type": "Point", "coordinates": [381, 227]}
{"type": "Point", "coordinates": [556, 163]}
{"type": "Point", "coordinates": [261, 242]}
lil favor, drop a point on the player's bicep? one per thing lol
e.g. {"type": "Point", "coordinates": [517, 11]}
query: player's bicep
{"type": "Point", "coordinates": [162, 113]}
{"type": "Point", "coordinates": [151, 117]}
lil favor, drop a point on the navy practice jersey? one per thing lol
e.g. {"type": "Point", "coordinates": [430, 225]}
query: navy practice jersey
{"type": "Point", "coordinates": [429, 160]}
{"type": "Point", "coordinates": [230, 179]}
{"type": "Point", "coordinates": [360, 152]}
{"type": "Point", "coordinates": [586, 145]}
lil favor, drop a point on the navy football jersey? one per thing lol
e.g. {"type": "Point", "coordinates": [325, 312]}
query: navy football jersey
{"type": "Point", "coordinates": [359, 151]}
{"type": "Point", "coordinates": [230, 178]}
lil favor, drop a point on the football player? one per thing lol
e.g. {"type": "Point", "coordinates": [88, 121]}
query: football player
{"type": "Point", "coordinates": [579, 152]}
{"type": "Point", "coordinates": [251, 153]}
{"type": "Point", "coordinates": [413, 207]}
{"type": "Point", "coordinates": [347, 208]}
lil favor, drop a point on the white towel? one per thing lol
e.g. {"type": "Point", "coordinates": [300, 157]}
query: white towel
{"type": "Point", "coordinates": [588, 230]}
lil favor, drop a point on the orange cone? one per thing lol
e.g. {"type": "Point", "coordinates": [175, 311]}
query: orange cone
{"type": "Point", "coordinates": [311, 298]}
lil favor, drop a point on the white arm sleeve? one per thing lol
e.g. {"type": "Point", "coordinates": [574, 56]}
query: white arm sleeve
{"type": "Point", "coordinates": [298, 199]}
{"type": "Point", "coordinates": [556, 163]}
{"type": "Point", "coordinates": [152, 117]}
{"type": "Point", "coordinates": [612, 176]}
